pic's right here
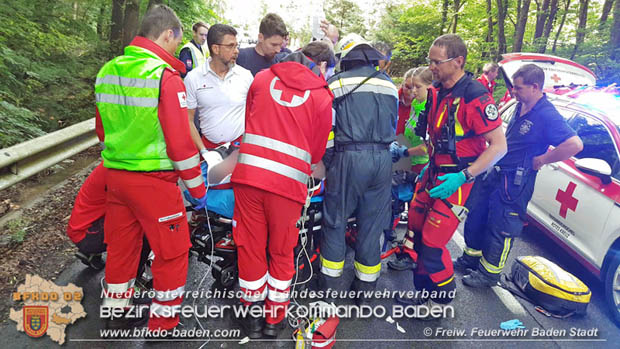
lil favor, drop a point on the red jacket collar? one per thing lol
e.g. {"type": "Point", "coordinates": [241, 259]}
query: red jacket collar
{"type": "Point", "coordinates": [145, 43]}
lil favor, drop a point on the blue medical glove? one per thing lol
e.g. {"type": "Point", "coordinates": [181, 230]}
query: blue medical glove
{"type": "Point", "coordinates": [188, 197]}
{"type": "Point", "coordinates": [511, 324]}
{"type": "Point", "coordinates": [422, 173]}
{"type": "Point", "coordinates": [201, 203]}
{"type": "Point", "coordinates": [398, 151]}
{"type": "Point", "coordinates": [452, 182]}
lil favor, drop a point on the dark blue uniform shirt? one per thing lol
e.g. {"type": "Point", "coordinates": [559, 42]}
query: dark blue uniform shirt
{"type": "Point", "coordinates": [531, 134]}
{"type": "Point", "coordinates": [252, 61]}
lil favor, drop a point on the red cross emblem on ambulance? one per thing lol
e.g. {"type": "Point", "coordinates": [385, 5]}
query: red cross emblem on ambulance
{"type": "Point", "coordinates": [566, 199]}
{"type": "Point", "coordinates": [287, 96]}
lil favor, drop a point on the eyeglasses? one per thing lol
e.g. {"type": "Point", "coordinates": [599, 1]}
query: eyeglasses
{"type": "Point", "coordinates": [230, 46]}
{"type": "Point", "coordinates": [436, 62]}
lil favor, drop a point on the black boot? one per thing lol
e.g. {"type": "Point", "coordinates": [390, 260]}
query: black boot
{"type": "Point", "coordinates": [403, 262]}
{"type": "Point", "coordinates": [273, 330]}
{"type": "Point", "coordinates": [136, 315]}
{"type": "Point", "coordinates": [465, 262]}
{"type": "Point", "coordinates": [329, 286]}
{"type": "Point", "coordinates": [252, 326]}
{"type": "Point", "coordinates": [94, 260]}
{"type": "Point", "coordinates": [480, 280]}
{"type": "Point", "coordinates": [363, 287]}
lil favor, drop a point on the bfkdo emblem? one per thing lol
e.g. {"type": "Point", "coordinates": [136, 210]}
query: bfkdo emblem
{"type": "Point", "coordinates": [35, 320]}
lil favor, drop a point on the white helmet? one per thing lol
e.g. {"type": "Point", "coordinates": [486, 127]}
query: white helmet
{"type": "Point", "coordinates": [348, 43]}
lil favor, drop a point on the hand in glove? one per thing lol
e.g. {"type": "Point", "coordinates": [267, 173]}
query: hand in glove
{"type": "Point", "coordinates": [398, 151]}
{"type": "Point", "coordinates": [451, 183]}
{"type": "Point", "coordinates": [201, 203]}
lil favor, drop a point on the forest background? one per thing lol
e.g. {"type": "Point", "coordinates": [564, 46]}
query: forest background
{"type": "Point", "coordinates": [51, 50]}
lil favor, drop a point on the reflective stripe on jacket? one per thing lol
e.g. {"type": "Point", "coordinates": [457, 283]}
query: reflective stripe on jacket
{"type": "Point", "coordinates": [127, 95]}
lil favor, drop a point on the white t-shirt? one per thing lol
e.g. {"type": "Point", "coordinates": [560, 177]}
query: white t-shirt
{"type": "Point", "coordinates": [220, 103]}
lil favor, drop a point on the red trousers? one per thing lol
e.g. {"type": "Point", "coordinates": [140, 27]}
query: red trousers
{"type": "Point", "coordinates": [265, 232]}
{"type": "Point", "coordinates": [432, 225]}
{"type": "Point", "coordinates": [137, 204]}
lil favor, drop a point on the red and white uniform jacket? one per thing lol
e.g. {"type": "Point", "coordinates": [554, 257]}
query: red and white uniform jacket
{"type": "Point", "coordinates": [490, 85]}
{"type": "Point", "coordinates": [288, 119]}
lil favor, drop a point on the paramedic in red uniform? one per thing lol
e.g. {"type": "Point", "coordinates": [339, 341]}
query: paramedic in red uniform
{"type": "Point", "coordinates": [288, 119]}
{"type": "Point", "coordinates": [460, 117]}
{"type": "Point", "coordinates": [141, 105]}
{"type": "Point", "coordinates": [489, 74]}
{"type": "Point", "coordinates": [85, 226]}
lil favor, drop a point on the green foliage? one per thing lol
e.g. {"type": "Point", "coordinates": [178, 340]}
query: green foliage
{"type": "Point", "coordinates": [50, 53]}
{"type": "Point", "coordinates": [47, 66]}
{"type": "Point", "coordinates": [190, 12]}
{"type": "Point", "coordinates": [346, 15]}
{"type": "Point", "coordinates": [17, 230]}
{"type": "Point", "coordinates": [410, 30]}
{"type": "Point", "coordinates": [410, 27]}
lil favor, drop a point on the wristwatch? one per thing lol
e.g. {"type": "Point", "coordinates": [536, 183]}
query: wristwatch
{"type": "Point", "coordinates": [468, 176]}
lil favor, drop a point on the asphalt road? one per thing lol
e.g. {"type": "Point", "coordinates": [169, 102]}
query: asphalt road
{"type": "Point", "coordinates": [474, 310]}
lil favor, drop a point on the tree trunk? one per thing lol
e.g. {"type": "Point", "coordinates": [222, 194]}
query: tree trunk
{"type": "Point", "coordinates": [557, 34]}
{"type": "Point", "coordinates": [541, 17]}
{"type": "Point", "coordinates": [502, 7]}
{"type": "Point", "coordinates": [581, 27]}
{"type": "Point", "coordinates": [517, 45]}
{"type": "Point", "coordinates": [101, 19]}
{"type": "Point", "coordinates": [131, 21]}
{"type": "Point", "coordinates": [116, 30]}
{"type": "Point", "coordinates": [606, 10]}
{"type": "Point", "coordinates": [487, 51]}
{"type": "Point", "coordinates": [553, 11]}
{"type": "Point", "coordinates": [455, 18]}
{"type": "Point", "coordinates": [615, 34]}
{"type": "Point", "coordinates": [444, 15]}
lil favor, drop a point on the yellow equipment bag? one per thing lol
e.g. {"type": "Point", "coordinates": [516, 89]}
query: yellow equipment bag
{"type": "Point", "coordinates": [552, 288]}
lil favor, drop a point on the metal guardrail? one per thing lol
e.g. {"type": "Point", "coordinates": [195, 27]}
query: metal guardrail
{"type": "Point", "coordinates": [28, 158]}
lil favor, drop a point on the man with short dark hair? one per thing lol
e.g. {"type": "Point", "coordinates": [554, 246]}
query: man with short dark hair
{"type": "Point", "coordinates": [289, 114]}
{"type": "Point", "coordinates": [194, 53]}
{"type": "Point", "coordinates": [141, 107]}
{"type": "Point", "coordinates": [498, 201]}
{"type": "Point", "coordinates": [489, 74]}
{"type": "Point", "coordinates": [272, 32]}
{"type": "Point", "coordinates": [460, 119]}
{"type": "Point", "coordinates": [218, 90]}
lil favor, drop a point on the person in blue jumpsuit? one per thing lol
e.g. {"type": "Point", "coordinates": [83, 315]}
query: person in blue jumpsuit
{"type": "Point", "coordinates": [359, 165]}
{"type": "Point", "coordinates": [498, 201]}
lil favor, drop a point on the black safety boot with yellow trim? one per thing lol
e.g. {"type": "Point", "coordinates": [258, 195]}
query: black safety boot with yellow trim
{"type": "Point", "coordinates": [479, 280]}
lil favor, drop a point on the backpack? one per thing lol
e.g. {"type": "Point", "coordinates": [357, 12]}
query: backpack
{"type": "Point", "coordinates": [553, 290]}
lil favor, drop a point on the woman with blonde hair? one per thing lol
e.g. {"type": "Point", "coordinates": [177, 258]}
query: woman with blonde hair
{"type": "Point", "coordinates": [416, 80]}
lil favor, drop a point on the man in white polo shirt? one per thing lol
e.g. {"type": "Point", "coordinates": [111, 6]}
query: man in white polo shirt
{"type": "Point", "coordinates": [218, 90]}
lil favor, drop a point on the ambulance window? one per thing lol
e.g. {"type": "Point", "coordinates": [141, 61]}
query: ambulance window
{"type": "Point", "coordinates": [597, 142]}
{"type": "Point", "coordinates": [509, 113]}
{"type": "Point", "coordinates": [565, 112]}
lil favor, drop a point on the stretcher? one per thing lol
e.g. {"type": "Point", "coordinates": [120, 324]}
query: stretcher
{"type": "Point", "coordinates": [211, 230]}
